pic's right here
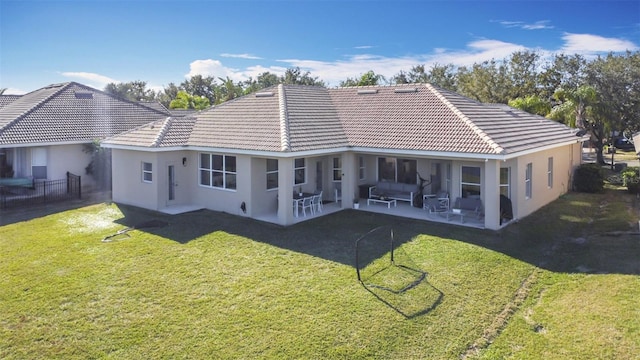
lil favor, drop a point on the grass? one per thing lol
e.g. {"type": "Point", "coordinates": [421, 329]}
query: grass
{"type": "Point", "coordinates": [563, 283]}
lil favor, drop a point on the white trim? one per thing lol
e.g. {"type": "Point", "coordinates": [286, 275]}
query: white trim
{"type": "Point", "coordinates": [443, 155]}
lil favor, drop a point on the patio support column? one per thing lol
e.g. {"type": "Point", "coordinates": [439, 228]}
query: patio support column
{"type": "Point", "coordinates": [349, 179]}
{"type": "Point", "coordinates": [492, 194]}
{"type": "Point", "coordinates": [285, 191]}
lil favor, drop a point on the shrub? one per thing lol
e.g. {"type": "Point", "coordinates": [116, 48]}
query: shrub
{"type": "Point", "coordinates": [631, 179]}
{"type": "Point", "coordinates": [588, 178]}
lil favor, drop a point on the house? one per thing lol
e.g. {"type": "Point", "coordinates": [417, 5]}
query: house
{"type": "Point", "coordinates": [248, 156]}
{"type": "Point", "coordinates": [43, 133]}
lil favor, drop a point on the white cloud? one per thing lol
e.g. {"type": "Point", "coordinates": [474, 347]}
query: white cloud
{"type": "Point", "coordinates": [96, 80]}
{"type": "Point", "coordinates": [332, 72]}
{"type": "Point", "coordinates": [215, 69]}
{"type": "Point", "coordinates": [538, 25]}
{"type": "Point", "coordinates": [363, 47]}
{"type": "Point", "coordinates": [241, 56]}
{"type": "Point", "coordinates": [588, 44]}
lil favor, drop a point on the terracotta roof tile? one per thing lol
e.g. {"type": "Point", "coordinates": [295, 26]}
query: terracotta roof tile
{"type": "Point", "coordinates": [413, 117]}
{"type": "Point", "coordinates": [69, 112]}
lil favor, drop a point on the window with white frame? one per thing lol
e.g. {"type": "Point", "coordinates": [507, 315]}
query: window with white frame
{"type": "Point", "coordinates": [218, 171]}
{"type": "Point", "coordinates": [550, 172]}
{"type": "Point", "coordinates": [527, 181]}
{"type": "Point", "coordinates": [337, 169]}
{"type": "Point", "coordinates": [505, 182]}
{"type": "Point", "coordinates": [470, 184]}
{"type": "Point", "coordinates": [147, 172]}
{"type": "Point", "coordinates": [299, 171]}
{"type": "Point", "coordinates": [361, 168]}
{"type": "Point", "coordinates": [272, 174]}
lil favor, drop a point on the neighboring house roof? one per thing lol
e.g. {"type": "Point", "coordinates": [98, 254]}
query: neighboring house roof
{"type": "Point", "coordinates": [416, 117]}
{"type": "Point", "coordinates": [68, 113]}
{"type": "Point", "coordinates": [154, 105]}
{"type": "Point", "coordinates": [162, 133]}
{"type": "Point", "coordinates": [183, 112]}
{"type": "Point", "coordinates": [7, 99]}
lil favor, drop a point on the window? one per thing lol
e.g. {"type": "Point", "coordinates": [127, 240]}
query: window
{"type": "Point", "coordinates": [550, 172]}
{"type": "Point", "coordinates": [505, 175]}
{"type": "Point", "coordinates": [361, 168]}
{"type": "Point", "coordinates": [218, 171]}
{"type": "Point", "coordinates": [272, 174]}
{"type": "Point", "coordinates": [147, 172]}
{"type": "Point", "coordinates": [337, 169]}
{"type": "Point", "coordinates": [299, 171]}
{"type": "Point", "coordinates": [470, 181]}
{"type": "Point", "coordinates": [397, 170]}
{"type": "Point", "coordinates": [527, 181]}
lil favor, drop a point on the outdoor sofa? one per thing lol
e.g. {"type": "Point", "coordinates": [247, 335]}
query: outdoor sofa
{"type": "Point", "coordinates": [393, 190]}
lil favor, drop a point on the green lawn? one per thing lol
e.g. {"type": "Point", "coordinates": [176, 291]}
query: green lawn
{"type": "Point", "coordinates": [561, 284]}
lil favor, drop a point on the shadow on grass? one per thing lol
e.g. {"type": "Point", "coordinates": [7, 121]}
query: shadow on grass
{"type": "Point", "coordinates": [14, 215]}
{"type": "Point", "coordinates": [549, 239]}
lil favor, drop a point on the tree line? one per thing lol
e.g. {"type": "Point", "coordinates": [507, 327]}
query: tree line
{"type": "Point", "coordinates": [600, 95]}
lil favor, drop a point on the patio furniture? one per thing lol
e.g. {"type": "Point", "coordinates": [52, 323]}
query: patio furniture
{"type": "Point", "coordinates": [436, 203]}
{"type": "Point", "coordinates": [317, 202]}
{"type": "Point", "coordinates": [386, 201]}
{"type": "Point", "coordinates": [469, 206]}
{"type": "Point", "coordinates": [393, 190]}
{"type": "Point", "coordinates": [298, 200]}
{"type": "Point", "coordinates": [306, 203]}
{"type": "Point", "coordinates": [337, 188]}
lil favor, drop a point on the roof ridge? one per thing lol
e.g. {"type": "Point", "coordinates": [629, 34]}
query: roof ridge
{"type": "Point", "coordinates": [285, 141]}
{"type": "Point", "coordinates": [62, 87]}
{"type": "Point", "coordinates": [483, 135]}
{"type": "Point", "coordinates": [166, 124]}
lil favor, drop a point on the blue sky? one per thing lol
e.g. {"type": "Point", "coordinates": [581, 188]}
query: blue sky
{"type": "Point", "coordinates": [97, 42]}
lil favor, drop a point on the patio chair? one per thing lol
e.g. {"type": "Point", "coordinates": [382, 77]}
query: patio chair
{"type": "Point", "coordinates": [306, 203]}
{"type": "Point", "coordinates": [317, 202]}
{"type": "Point", "coordinates": [435, 205]}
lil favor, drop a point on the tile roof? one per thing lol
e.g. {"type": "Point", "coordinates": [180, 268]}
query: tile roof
{"type": "Point", "coordinates": [69, 112]}
{"type": "Point", "coordinates": [162, 133]}
{"type": "Point", "coordinates": [416, 117]}
{"type": "Point", "coordinates": [7, 99]}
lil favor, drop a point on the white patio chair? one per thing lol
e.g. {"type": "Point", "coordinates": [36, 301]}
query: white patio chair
{"type": "Point", "coordinates": [307, 203]}
{"type": "Point", "coordinates": [317, 202]}
{"type": "Point", "coordinates": [338, 192]}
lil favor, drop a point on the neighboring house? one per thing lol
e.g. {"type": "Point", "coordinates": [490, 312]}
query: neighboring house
{"type": "Point", "coordinates": [254, 152]}
{"type": "Point", "coordinates": [43, 133]}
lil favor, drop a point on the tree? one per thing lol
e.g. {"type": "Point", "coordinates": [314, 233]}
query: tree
{"type": "Point", "coordinates": [294, 76]}
{"type": "Point", "coordinates": [133, 91]}
{"type": "Point", "coordinates": [486, 82]}
{"type": "Point", "coordinates": [366, 79]}
{"type": "Point", "coordinates": [264, 80]}
{"type": "Point", "coordinates": [2, 90]}
{"type": "Point", "coordinates": [228, 90]}
{"type": "Point", "coordinates": [617, 81]}
{"type": "Point", "coordinates": [201, 86]}
{"type": "Point", "coordinates": [532, 104]}
{"type": "Point", "coordinates": [439, 75]}
{"type": "Point", "coordinates": [169, 93]}
{"type": "Point", "coordinates": [185, 100]}
{"type": "Point", "coordinates": [523, 74]}
{"type": "Point", "coordinates": [562, 72]}
{"type": "Point", "coordinates": [100, 165]}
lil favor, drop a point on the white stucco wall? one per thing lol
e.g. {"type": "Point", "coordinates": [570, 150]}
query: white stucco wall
{"type": "Point", "coordinates": [128, 187]}
{"type": "Point", "coordinates": [71, 158]}
{"type": "Point", "coordinates": [565, 159]}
